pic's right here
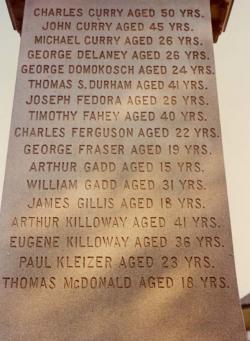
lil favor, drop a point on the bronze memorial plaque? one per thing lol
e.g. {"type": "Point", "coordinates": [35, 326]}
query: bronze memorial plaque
{"type": "Point", "coordinates": [115, 222]}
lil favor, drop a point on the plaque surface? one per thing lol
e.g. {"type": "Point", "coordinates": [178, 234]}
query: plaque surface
{"type": "Point", "coordinates": [115, 220]}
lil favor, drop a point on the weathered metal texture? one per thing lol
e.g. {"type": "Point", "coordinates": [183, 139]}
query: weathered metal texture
{"type": "Point", "coordinates": [245, 304]}
{"type": "Point", "coordinates": [220, 10]}
{"type": "Point", "coordinates": [16, 8]}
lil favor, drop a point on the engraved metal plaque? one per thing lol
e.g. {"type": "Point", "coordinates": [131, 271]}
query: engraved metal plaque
{"type": "Point", "coordinates": [115, 220]}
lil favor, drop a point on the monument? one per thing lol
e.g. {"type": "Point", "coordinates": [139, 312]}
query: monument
{"type": "Point", "coordinates": [115, 222]}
